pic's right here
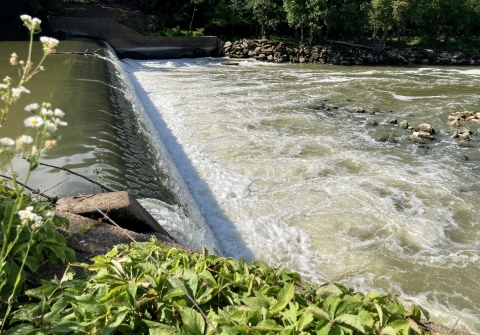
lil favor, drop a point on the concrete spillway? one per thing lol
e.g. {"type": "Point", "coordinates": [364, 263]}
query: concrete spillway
{"type": "Point", "coordinates": [130, 44]}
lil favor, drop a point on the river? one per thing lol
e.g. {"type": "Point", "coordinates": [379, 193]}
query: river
{"type": "Point", "coordinates": [315, 190]}
{"type": "Point", "coordinates": [238, 153]}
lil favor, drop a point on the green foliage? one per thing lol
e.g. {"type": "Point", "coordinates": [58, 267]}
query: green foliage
{"type": "Point", "coordinates": [128, 293]}
{"type": "Point", "coordinates": [26, 245]}
{"type": "Point", "coordinates": [178, 32]}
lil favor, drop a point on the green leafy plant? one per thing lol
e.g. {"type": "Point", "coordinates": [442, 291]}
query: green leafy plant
{"type": "Point", "coordinates": [28, 236]}
{"type": "Point", "coordinates": [128, 293]}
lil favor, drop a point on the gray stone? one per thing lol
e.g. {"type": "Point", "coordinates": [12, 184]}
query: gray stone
{"type": "Point", "coordinates": [345, 63]}
{"type": "Point", "coordinates": [425, 127]}
{"type": "Point", "coordinates": [373, 122]}
{"type": "Point", "coordinates": [425, 62]}
{"type": "Point", "coordinates": [121, 207]}
{"type": "Point", "coordinates": [454, 123]}
{"type": "Point", "coordinates": [357, 109]}
{"type": "Point", "coordinates": [464, 143]}
{"type": "Point", "coordinates": [403, 124]}
{"type": "Point", "coordinates": [415, 139]}
{"type": "Point", "coordinates": [424, 135]}
{"type": "Point", "coordinates": [393, 121]}
{"type": "Point", "coordinates": [388, 138]}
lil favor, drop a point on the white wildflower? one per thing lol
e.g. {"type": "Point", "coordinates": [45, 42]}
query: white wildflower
{"type": "Point", "coordinates": [31, 24]}
{"type": "Point", "coordinates": [46, 112]}
{"type": "Point", "coordinates": [6, 141]}
{"type": "Point", "coordinates": [3, 86]}
{"type": "Point", "coordinates": [32, 107]}
{"type": "Point", "coordinates": [24, 139]}
{"type": "Point", "coordinates": [17, 91]}
{"type": "Point", "coordinates": [33, 121]}
{"type": "Point", "coordinates": [24, 214]}
{"type": "Point", "coordinates": [49, 44]}
{"type": "Point", "coordinates": [50, 214]}
{"type": "Point", "coordinates": [50, 126]}
{"type": "Point", "coordinates": [36, 23]}
{"type": "Point", "coordinates": [59, 122]}
{"type": "Point", "coordinates": [26, 18]}
{"type": "Point", "coordinates": [58, 113]}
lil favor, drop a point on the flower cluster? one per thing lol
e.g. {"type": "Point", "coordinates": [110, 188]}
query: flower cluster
{"type": "Point", "coordinates": [27, 215]}
{"type": "Point", "coordinates": [32, 24]}
{"type": "Point", "coordinates": [49, 44]}
{"type": "Point", "coordinates": [46, 122]}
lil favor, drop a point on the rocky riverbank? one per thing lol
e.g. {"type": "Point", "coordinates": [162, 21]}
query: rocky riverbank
{"type": "Point", "coordinates": [344, 54]}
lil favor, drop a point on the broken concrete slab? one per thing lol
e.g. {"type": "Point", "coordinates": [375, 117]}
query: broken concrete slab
{"type": "Point", "coordinates": [121, 207]}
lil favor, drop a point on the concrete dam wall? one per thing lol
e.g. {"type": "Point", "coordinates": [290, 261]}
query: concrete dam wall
{"type": "Point", "coordinates": [130, 44]}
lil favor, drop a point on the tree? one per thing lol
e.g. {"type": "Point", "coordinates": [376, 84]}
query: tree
{"type": "Point", "coordinates": [267, 13]}
{"type": "Point", "coordinates": [296, 14]}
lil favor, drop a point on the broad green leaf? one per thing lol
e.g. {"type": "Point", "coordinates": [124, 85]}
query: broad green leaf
{"type": "Point", "coordinates": [115, 293]}
{"type": "Point", "coordinates": [353, 321]}
{"type": "Point", "coordinates": [174, 292]}
{"type": "Point", "coordinates": [414, 326]}
{"type": "Point", "coordinates": [193, 321]}
{"type": "Point", "coordinates": [324, 330]}
{"type": "Point", "coordinates": [366, 318]}
{"type": "Point", "coordinates": [401, 327]}
{"type": "Point", "coordinates": [268, 325]}
{"type": "Point", "coordinates": [388, 331]}
{"type": "Point", "coordinates": [336, 330]}
{"type": "Point", "coordinates": [56, 309]}
{"type": "Point", "coordinates": [284, 296]}
{"type": "Point", "coordinates": [425, 312]}
{"type": "Point", "coordinates": [66, 327]}
{"type": "Point", "coordinates": [207, 276]}
{"type": "Point", "coordinates": [305, 320]}
{"type": "Point", "coordinates": [131, 293]}
{"type": "Point", "coordinates": [380, 314]}
{"type": "Point", "coordinates": [22, 329]}
{"type": "Point", "coordinates": [291, 313]}
{"type": "Point", "coordinates": [256, 303]}
{"type": "Point", "coordinates": [328, 290]}
{"type": "Point", "coordinates": [330, 305]}
{"type": "Point", "coordinates": [115, 320]}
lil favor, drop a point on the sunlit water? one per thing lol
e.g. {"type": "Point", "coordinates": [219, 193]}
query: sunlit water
{"type": "Point", "coordinates": [315, 190]}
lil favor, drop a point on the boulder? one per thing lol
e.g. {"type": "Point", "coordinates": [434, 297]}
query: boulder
{"type": "Point", "coordinates": [388, 138]}
{"type": "Point", "coordinates": [464, 144]}
{"type": "Point", "coordinates": [357, 109]}
{"type": "Point", "coordinates": [423, 134]}
{"type": "Point", "coordinates": [403, 124]}
{"type": "Point", "coordinates": [454, 123]}
{"type": "Point", "coordinates": [453, 117]}
{"type": "Point", "coordinates": [393, 121]}
{"type": "Point", "coordinates": [373, 122]}
{"type": "Point", "coordinates": [415, 139]}
{"type": "Point", "coordinates": [425, 127]}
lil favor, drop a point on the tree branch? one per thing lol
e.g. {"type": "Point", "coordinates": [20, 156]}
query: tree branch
{"type": "Point", "coordinates": [79, 175]}
{"type": "Point", "coordinates": [52, 200]}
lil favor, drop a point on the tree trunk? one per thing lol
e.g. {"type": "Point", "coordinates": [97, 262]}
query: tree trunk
{"type": "Point", "coordinates": [301, 35]}
{"type": "Point", "coordinates": [310, 40]}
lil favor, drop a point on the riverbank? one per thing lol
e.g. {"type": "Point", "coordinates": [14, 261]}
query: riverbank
{"type": "Point", "coordinates": [342, 53]}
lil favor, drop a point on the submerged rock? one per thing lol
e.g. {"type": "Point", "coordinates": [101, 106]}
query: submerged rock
{"type": "Point", "coordinates": [403, 124]}
{"type": "Point", "coordinates": [388, 138]}
{"type": "Point", "coordinates": [357, 109]}
{"type": "Point", "coordinates": [373, 122]}
{"type": "Point", "coordinates": [464, 143]}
